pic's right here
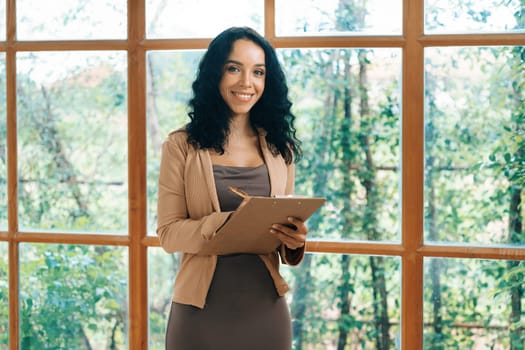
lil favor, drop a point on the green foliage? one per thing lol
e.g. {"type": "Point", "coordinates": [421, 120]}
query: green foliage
{"type": "Point", "coordinates": [161, 272]}
{"type": "Point", "coordinates": [73, 161]}
{"type": "Point", "coordinates": [316, 82]}
{"type": "Point", "coordinates": [471, 143]}
{"type": "Point", "coordinates": [474, 192]}
{"type": "Point", "coordinates": [474, 302]}
{"type": "Point", "coordinates": [71, 177]}
{"type": "Point", "coordinates": [322, 320]}
{"type": "Point", "coordinates": [170, 75]}
{"type": "Point", "coordinates": [72, 297]}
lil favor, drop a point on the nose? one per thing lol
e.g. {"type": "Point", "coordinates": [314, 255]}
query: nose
{"type": "Point", "coordinates": [246, 80]}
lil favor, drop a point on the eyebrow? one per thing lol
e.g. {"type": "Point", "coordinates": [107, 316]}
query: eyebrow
{"type": "Point", "coordinates": [240, 64]}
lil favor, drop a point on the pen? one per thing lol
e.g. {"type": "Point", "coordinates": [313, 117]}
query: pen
{"type": "Point", "coordinates": [238, 191]}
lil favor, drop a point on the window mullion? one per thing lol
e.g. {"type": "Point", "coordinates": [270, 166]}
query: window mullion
{"type": "Point", "coordinates": [412, 176]}
{"type": "Point", "coordinates": [12, 177]}
{"type": "Point", "coordinates": [138, 296]}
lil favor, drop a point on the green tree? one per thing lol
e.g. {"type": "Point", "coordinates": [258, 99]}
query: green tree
{"type": "Point", "coordinates": [73, 296]}
{"type": "Point", "coordinates": [454, 140]}
{"type": "Point", "coordinates": [337, 145]}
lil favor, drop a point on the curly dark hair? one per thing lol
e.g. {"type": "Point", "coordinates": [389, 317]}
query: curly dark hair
{"type": "Point", "coordinates": [210, 116]}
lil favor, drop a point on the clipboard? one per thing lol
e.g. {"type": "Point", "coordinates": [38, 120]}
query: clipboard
{"type": "Point", "coordinates": [247, 230]}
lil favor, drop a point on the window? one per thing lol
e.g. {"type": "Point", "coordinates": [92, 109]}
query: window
{"type": "Point", "coordinates": [411, 115]}
{"type": "Point", "coordinates": [75, 119]}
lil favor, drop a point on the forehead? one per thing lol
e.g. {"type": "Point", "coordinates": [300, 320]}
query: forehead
{"type": "Point", "coordinates": [246, 51]}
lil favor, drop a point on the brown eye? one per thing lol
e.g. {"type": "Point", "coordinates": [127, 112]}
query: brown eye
{"type": "Point", "coordinates": [232, 69]}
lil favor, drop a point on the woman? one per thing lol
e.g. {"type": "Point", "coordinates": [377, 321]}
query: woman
{"type": "Point", "coordinates": [240, 134]}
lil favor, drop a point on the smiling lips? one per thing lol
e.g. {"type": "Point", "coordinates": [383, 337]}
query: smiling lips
{"type": "Point", "coordinates": [242, 96]}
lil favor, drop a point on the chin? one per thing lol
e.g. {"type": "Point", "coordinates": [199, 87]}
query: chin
{"type": "Point", "coordinates": [244, 111]}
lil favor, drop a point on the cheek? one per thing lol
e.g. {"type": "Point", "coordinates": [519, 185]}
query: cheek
{"type": "Point", "coordinates": [223, 88]}
{"type": "Point", "coordinates": [260, 86]}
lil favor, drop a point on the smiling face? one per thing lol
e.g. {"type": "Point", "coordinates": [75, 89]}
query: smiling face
{"type": "Point", "coordinates": [243, 77]}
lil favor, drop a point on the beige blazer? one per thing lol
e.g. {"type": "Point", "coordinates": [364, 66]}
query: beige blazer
{"type": "Point", "coordinates": [189, 215]}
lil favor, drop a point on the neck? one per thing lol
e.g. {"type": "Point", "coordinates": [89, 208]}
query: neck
{"type": "Point", "coordinates": [240, 126]}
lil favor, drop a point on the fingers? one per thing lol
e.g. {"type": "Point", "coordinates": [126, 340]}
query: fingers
{"type": "Point", "coordinates": [293, 235]}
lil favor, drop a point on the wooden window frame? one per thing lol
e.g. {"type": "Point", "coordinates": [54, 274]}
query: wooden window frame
{"type": "Point", "coordinates": [412, 249]}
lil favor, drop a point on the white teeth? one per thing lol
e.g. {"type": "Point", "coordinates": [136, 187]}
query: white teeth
{"type": "Point", "coordinates": [243, 96]}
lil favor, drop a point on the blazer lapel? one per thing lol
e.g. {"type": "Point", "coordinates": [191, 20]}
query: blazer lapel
{"type": "Point", "coordinates": [207, 167]}
{"type": "Point", "coordinates": [275, 165]}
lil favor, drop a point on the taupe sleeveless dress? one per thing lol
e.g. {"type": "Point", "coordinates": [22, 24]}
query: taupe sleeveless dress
{"type": "Point", "coordinates": [243, 309]}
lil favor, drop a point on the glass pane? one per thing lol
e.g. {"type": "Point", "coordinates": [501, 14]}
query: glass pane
{"type": "Point", "coordinates": [310, 17]}
{"type": "Point", "coordinates": [4, 297]}
{"type": "Point", "coordinates": [201, 18]}
{"type": "Point", "coordinates": [335, 300]}
{"type": "Point", "coordinates": [162, 268]}
{"type": "Point", "coordinates": [71, 19]}
{"type": "Point", "coordinates": [3, 146]}
{"type": "Point", "coordinates": [347, 105]}
{"type": "Point", "coordinates": [73, 297]}
{"type": "Point", "coordinates": [2, 21]}
{"type": "Point", "coordinates": [351, 157]}
{"type": "Point", "coordinates": [72, 141]}
{"type": "Point", "coordinates": [458, 16]}
{"type": "Point", "coordinates": [169, 78]}
{"type": "Point", "coordinates": [338, 301]}
{"type": "Point", "coordinates": [474, 159]}
{"type": "Point", "coordinates": [473, 304]}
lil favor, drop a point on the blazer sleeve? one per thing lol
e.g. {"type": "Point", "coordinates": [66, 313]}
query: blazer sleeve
{"type": "Point", "coordinates": [291, 256]}
{"type": "Point", "coordinates": [177, 231]}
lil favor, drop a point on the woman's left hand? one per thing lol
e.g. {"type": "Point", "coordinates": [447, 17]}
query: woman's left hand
{"type": "Point", "coordinates": [293, 236]}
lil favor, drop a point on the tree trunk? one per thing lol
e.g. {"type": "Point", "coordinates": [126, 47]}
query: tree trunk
{"type": "Point", "coordinates": [368, 178]}
{"type": "Point", "coordinates": [382, 322]}
{"type": "Point", "coordinates": [65, 170]}
{"type": "Point", "coordinates": [430, 220]}
{"type": "Point", "coordinates": [346, 190]}
{"type": "Point", "coordinates": [516, 279]}
{"type": "Point", "coordinates": [301, 298]}
{"type": "Point", "coordinates": [152, 119]}
{"type": "Point", "coordinates": [152, 110]}
{"type": "Point", "coordinates": [50, 139]}
{"type": "Point", "coordinates": [516, 234]}
{"type": "Point", "coordinates": [344, 296]}
{"type": "Point", "coordinates": [303, 277]}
